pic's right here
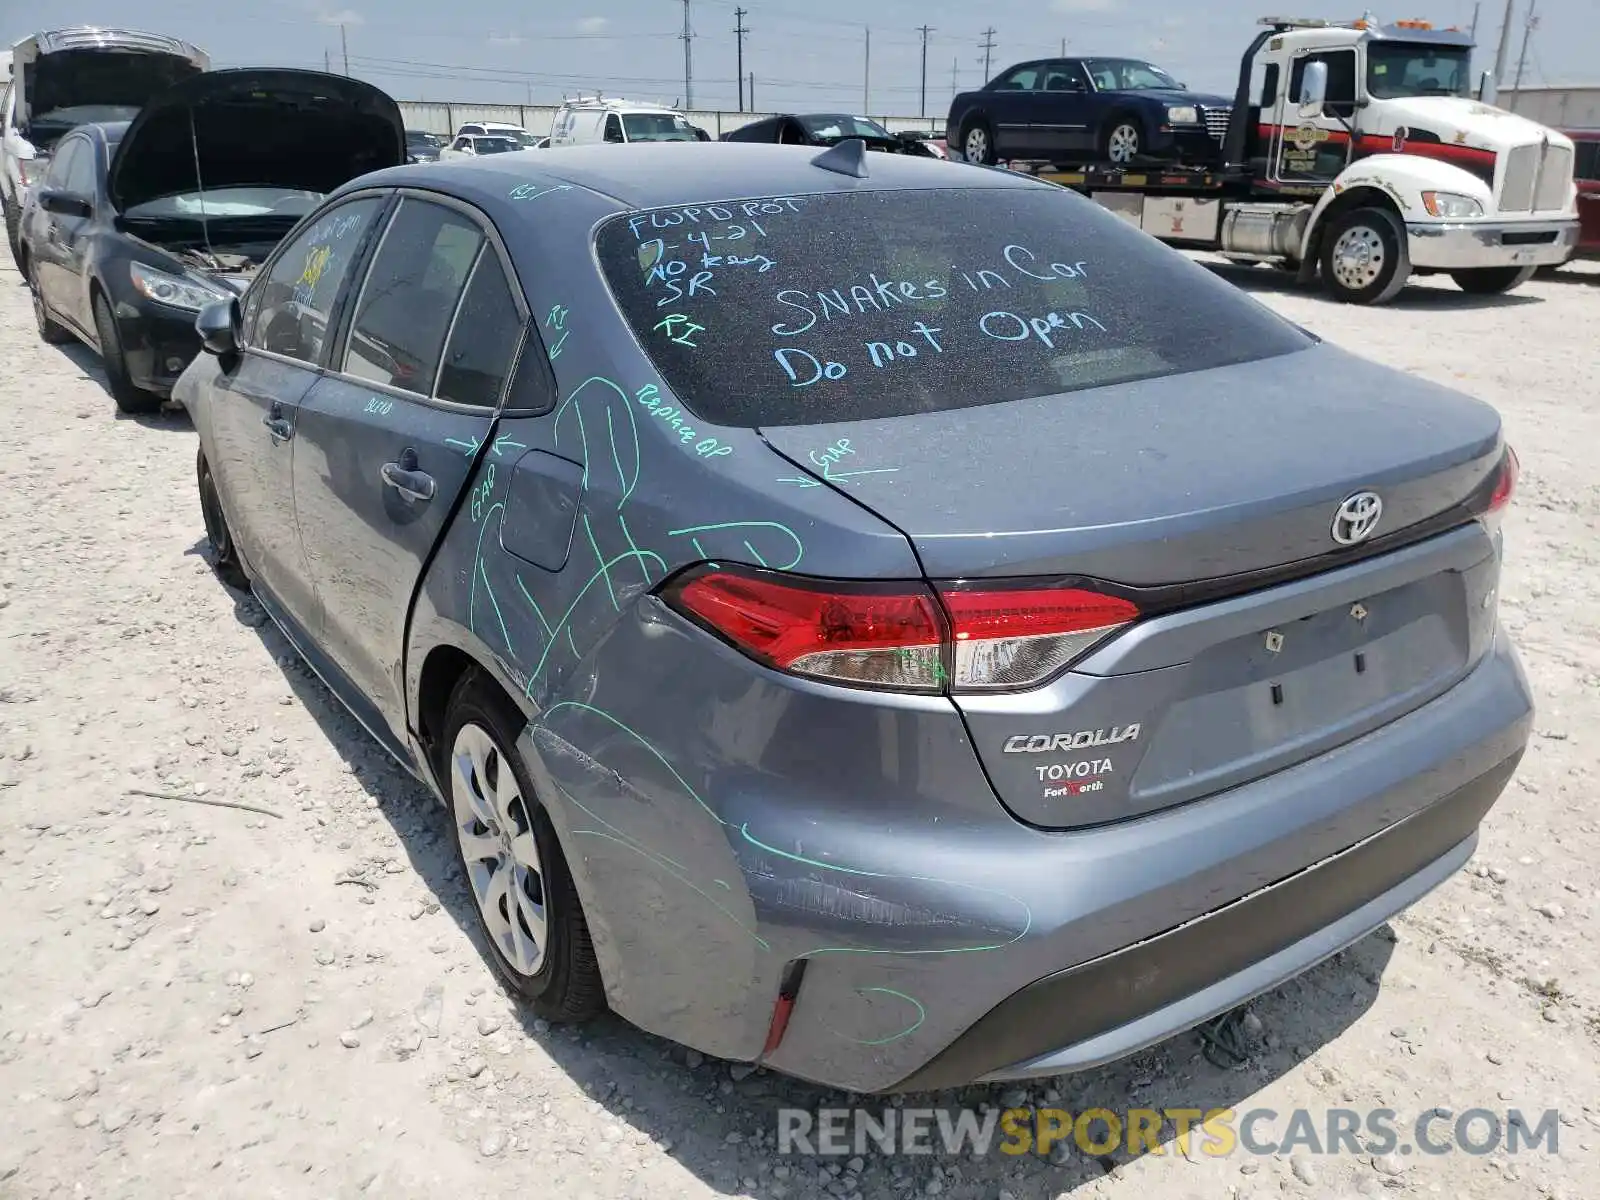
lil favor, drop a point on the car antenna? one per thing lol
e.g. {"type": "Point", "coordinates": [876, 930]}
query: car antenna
{"type": "Point", "coordinates": [848, 157]}
{"type": "Point", "coordinates": [199, 186]}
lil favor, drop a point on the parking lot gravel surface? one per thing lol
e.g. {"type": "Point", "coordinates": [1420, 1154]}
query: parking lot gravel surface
{"type": "Point", "coordinates": [287, 999]}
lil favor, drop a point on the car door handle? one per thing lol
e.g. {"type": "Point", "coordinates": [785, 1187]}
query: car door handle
{"type": "Point", "coordinates": [412, 484]}
{"type": "Point", "coordinates": [278, 427]}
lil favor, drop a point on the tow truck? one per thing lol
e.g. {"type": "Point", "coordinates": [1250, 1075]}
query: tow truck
{"type": "Point", "coordinates": [1358, 151]}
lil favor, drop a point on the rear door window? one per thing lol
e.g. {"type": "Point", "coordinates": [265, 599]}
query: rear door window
{"type": "Point", "coordinates": [484, 338]}
{"type": "Point", "coordinates": [797, 310]}
{"type": "Point", "coordinates": [410, 296]}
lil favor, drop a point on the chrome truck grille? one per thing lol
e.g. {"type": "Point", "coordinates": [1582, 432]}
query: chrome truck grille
{"type": "Point", "coordinates": [1216, 120]}
{"type": "Point", "coordinates": [1536, 178]}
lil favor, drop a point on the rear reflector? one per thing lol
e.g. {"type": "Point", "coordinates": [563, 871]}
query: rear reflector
{"type": "Point", "coordinates": [900, 636]}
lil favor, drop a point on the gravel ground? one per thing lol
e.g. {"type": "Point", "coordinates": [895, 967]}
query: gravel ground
{"type": "Point", "coordinates": [210, 1001]}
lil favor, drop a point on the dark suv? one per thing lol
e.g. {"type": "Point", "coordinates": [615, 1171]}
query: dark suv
{"type": "Point", "coordinates": [1074, 110]}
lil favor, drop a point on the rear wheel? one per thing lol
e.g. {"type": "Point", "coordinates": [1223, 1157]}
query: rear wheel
{"type": "Point", "coordinates": [977, 144]}
{"type": "Point", "coordinates": [1364, 259]}
{"type": "Point", "coordinates": [224, 555]}
{"type": "Point", "coordinates": [1491, 281]}
{"type": "Point", "coordinates": [521, 888]}
{"type": "Point", "coordinates": [129, 398]}
{"type": "Point", "coordinates": [51, 331]}
{"type": "Point", "coordinates": [1122, 141]}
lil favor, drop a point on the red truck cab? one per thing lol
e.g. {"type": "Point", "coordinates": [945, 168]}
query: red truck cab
{"type": "Point", "coordinates": [1586, 174]}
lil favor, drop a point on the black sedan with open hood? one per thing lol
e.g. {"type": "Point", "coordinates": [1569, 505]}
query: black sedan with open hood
{"type": "Point", "coordinates": [139, 225]}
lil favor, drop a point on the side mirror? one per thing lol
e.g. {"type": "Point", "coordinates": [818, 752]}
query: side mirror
{"type": "Point", "coordinates": [65, 203]}
{"type": "Point", "coordinates": [218, 327]}
{"type": "Point", "coordinates": [1488, 89]}
{"type": "Point", "coordinates": [1313, 90]}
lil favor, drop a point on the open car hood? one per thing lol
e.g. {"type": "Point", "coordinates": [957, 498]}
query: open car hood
{"type": "Point", "coordinates": [257, 127]}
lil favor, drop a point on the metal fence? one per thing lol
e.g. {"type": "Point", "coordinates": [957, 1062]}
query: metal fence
{"type": "Point", "coordinates": [445, 117]}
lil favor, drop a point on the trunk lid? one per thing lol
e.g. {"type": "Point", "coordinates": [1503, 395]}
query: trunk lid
{"type": "Point", "coordinates": [256, 127]}
{"type": "Point", "coordinates": [1210, 498]}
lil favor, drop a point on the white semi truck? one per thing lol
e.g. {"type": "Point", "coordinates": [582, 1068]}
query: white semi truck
{"type": "Point", "coordinates": [1360, 152]}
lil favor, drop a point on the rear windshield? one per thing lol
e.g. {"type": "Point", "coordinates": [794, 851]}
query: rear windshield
{"type": "Point", "coordinates": [849, 306]}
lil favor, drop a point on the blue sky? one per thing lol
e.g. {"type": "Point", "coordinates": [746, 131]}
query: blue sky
{"type": "Point", "coordinates": [806, 54]}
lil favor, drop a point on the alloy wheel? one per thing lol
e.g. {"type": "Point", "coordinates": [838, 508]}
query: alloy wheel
{"type": "Point", "coordinates": [1123, 144]}
{"type": "Point", "coordinates": [977, 148]}
{"type": "Point", "coordinates": [495, 832]}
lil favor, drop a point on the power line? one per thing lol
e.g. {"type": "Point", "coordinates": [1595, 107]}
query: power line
{"type": "Point", "coordinates": [987, 46]}
{"type": "Point", "coordinates": [925, 30]}
{"type": "Point", "coordinates": [739, 31]}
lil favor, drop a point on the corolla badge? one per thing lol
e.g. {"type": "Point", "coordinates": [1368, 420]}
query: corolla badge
{"type": "Point", "coordinates": [1356, 518]}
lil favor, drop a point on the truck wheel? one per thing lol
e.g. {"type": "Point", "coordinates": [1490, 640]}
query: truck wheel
{"type": "Point", "coordinates": [1364, 258]}
{"type": "Point", "coordinates": [1122, 140]}
{"type": "Point", "coordinates": [1491, 281]}
{"type": "Point", "coordinates": [977, 143]}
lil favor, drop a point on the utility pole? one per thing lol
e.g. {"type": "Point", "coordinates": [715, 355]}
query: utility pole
{"type": "Point", "coordinates": [1505, 44]}
{"type": "Point", "coordinates": [1473, 32]}
{"type": "Point", "coordinates": [752, 91]}
{"type": "Point", "coordinates": [345, 46]}
{"type": "Point", "coordinates": [739, 31]}
{"type": "Point", "coordinates": [326, 66]}
{"type": "Point", "coordinates": [866, 76]}
{"type": "Point", "coordinates": [1063, 47]}
{"type": "Point", "coordinates": [925, 30]}
{"type": "Point", "coordinates": [688, 61]}
{"type": "Point", "coordinates": [1522, 59]}
{"type": "Point", "coordinates": [987, 46]}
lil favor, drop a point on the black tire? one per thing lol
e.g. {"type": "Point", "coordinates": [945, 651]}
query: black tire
{"type": "Point", "coordinates": [1122, 140]}
{"type": "Point", "coordinates": [1364, 258]}
{"type": "Point", "coordinates": [1491, 281]}
{"type": "Point", "coordinates": [51, 331]}
{"type": "Point", "coordinates": [130, 398]}
{"type": "Point", "coordinates": [13, 218]}
{"type": "Point", "coordinates": [566, 985]}
{"type": "Point", "coordinates": [219, 537]}
{"type": "Point", "coordinates": [984, 153]}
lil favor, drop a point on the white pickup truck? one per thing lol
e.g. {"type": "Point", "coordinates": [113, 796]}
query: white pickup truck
{"type": "Point", "coordinates": [69, 77]}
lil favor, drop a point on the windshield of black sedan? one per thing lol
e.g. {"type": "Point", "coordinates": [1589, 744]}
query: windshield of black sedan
{"type": "Point", "coordinates": [833, 126]}
{"type": "Point", "coordinates": [1399, 69]}
{"type": "Point", "coordinates": [1127, 75]}
{"type": "Point", "coordinates": [802, 309]}
{"type": "Point", "coordinates": [228, 202]}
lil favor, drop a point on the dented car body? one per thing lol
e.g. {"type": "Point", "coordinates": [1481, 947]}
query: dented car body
{"type": "Point", "coordinates": [976, 644]}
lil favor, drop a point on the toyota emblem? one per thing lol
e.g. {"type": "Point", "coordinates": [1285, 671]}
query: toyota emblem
{"type": "Point", "coordinates": [1356, 518]}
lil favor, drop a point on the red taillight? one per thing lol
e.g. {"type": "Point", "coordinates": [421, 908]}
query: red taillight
{"type": "Point", "coordinates": [1007, 638]}
{"type": "Point", "coordinates": [887, 636]}
{"type": "Point", "coordinates": [901, 637]}
{"type": "Point", "coordinates": [1505, 482]}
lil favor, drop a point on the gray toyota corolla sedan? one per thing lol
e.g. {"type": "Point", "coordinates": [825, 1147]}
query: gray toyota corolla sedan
{"type": "Point", "coordinates": [881, 618]}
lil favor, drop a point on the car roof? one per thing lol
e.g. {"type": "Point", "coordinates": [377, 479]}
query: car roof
{"type": "Point", "coordinates": [110, 131]}
{"type": "Point", "coordinates": [660, 175]}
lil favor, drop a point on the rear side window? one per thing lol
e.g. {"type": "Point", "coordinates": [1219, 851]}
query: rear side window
{"type": "Point", "coordinates": [850, 306]}
{"type": "Point", "coordinates": [410, 296]}
{"type": "Point", "coordinates": [483, 338]}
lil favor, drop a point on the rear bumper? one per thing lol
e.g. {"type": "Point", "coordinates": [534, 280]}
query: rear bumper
{"type": "Point", "coordinates": [715, 843]}
{"type": "Point", "coordinates": [1465, 245]}
{"type": "Point", "coordinates": [1107, 1009]}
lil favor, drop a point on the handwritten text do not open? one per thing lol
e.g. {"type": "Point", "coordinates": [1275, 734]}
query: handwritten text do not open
{"type": "Point", "coordinates": [823, 307]}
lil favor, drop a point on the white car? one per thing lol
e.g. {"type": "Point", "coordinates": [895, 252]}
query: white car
{"type": "Point", "coordinates": [469, 145]}
{"type": "Point", "coordinates": [524, 139]}
{"type": "Point", "coordinates": [68, 77]}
